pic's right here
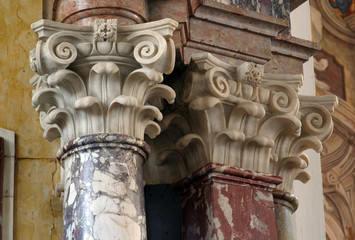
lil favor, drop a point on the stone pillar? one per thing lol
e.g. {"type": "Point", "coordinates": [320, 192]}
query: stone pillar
{"type": "Point", "coordinates": [98, 89]}
{"type": "Point", "coordinates": [78, 12]}
{"type": "Point", "coordinates": [221, 202]}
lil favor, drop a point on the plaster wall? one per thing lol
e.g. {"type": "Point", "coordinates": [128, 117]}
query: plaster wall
{"type": "Point", "coordinates": [310, 215]}
{"type": "Point", "coordinates": [36, 172]}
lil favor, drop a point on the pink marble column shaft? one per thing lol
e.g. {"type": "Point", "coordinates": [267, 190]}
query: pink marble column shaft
{"type": "Point", "coordinates": [84, 12]}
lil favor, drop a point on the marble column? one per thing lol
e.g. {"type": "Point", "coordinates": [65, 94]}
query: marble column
{"type": "Point", "coordinates": [220, 202]}
{"type": "Point", "coordinates": [104, 196]}
{"type": "Point", "coordinates": [99, 89]}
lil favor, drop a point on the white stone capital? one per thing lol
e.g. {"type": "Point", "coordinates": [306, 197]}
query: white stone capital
{"type": "Point", "coordinates": [242, 117]}
{"type": "Point", "coordinates": [101, 79]}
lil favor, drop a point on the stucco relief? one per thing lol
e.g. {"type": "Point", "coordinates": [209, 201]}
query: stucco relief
{"type": "Point", "coordinates": [338, 168]}
{"type": "Point", "coordinates": [336, 21]}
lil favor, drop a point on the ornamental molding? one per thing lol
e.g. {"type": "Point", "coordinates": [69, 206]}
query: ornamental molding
{"type": "Point", "coordinates": [338, 171]}
{"type": "Point", "coordinates": [241, 117]}
{"type": "Point", "coordinates": [341, 27]}
{"type": "Point", "coordinates": [102, 78]}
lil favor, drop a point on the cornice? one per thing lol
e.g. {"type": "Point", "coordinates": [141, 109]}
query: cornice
{"type": "Point", "coordinates": [238, 18]}
{"type": "Point", "coordinates": [210, 26]}
{"type": "Point", "coordinates": [291, 46]}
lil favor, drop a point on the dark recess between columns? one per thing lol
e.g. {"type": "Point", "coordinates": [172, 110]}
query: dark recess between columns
{"type": "Point", "coordinates": [163, 212]}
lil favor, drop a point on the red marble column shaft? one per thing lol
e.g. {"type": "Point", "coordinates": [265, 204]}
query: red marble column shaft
{"type": "Point", "coordinates": [84, 12]}
{"type": "Point", "coordinates": [220, 202]}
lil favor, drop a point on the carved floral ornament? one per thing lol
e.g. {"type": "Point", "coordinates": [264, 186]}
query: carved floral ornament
{"type": "Point", "coordinates": [241, 117]}
{"type": "Point", "coordinates": [101, 78]}
{"type": "Point", "coordinates": [107, 78]}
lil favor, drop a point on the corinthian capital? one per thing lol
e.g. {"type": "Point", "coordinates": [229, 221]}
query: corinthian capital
{"type": "Point", "coordinates": [242, 117]}
{"type": "Point", "coordinates": [101, 78]}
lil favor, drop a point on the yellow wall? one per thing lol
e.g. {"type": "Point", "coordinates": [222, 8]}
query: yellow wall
{"type": "Point", "coordinates": [36, 216]}
{"type": "Point", "coordinates": [37, 171]}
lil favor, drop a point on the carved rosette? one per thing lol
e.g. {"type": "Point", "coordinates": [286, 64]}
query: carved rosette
{"type": "Point", "coordinates": [242, 117]}
{"type": "Point", "coordinates": [101, 79]}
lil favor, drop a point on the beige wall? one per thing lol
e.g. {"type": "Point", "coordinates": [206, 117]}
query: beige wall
{"type": "Point", "coordinates": [36, 170]}
{"type": "Point", "coordinates": [309, 217]}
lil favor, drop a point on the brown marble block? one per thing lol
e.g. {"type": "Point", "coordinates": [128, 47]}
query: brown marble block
{"type": "Point", "coordinates": [221, 202]}
{"type": "Point", "coordinates": [103, 196]}
{"type": "Point", "coordinates": [234, 33]}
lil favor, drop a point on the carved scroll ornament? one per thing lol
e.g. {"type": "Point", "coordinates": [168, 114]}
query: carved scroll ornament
{"type": "Point", "coordinates": [241, 117]}
{"type": "Point", "coordinates": [104, 78]}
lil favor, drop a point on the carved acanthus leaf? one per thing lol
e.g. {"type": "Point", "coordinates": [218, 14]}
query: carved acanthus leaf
{"type": "Point", "coordinates": [103, 78]}
{"type": "Point", "coordinates": [239, 118]}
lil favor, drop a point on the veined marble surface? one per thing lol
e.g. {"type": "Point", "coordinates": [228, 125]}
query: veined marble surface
{"type": "Point", "coordinates": [103, 196]}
